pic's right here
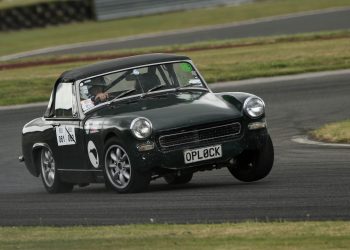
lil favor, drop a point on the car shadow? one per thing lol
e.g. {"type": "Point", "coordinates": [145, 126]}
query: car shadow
{"type": "Point", "coordinates": [193, 186]}
{"type": "Point", "coordinates": [164, 187]}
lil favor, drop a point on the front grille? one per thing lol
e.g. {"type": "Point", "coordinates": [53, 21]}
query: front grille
{"type": "Point", "coordinates": [199, 136]}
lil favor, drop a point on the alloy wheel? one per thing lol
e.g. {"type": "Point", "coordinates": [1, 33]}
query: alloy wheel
{"type": "Point", "coordinates": [47, 167]}
{"type": "Point", "coordinates": [118, 166]}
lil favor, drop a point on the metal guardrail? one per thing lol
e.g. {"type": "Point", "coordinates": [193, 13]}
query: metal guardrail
{"type": "Point", "coordinates": [43, 14]}
{"type": "Point", "coordinates": [113, 9]}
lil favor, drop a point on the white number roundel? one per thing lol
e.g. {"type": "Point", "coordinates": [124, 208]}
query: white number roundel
{"type": "Point", "coordinates": [93, 154]}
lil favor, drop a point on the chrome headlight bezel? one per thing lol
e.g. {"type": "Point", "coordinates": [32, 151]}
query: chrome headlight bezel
{"type": "Point", "coordinates": [135, 128]}
{"type": "Point", "coordinates": [254, 102]}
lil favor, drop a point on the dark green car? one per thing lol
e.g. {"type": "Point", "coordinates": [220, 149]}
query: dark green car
{"type": "Point", "coordinates": [131, 120]}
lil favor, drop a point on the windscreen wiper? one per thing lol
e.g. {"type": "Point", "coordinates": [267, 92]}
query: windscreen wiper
{"type": "Point", "coordinates": [126, 92]}
{"type": "Point", "coordinates": [154, 88]}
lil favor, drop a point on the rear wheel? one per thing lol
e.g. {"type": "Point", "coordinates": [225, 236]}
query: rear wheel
{"type": "Point", "coordinates": [253, 165]}
{"type": "Point", "coordinates": [120, 174]}
{"type": "Point", "coordinates": [174, 179]}
{"type": "Point", "coordinates": [49, 175]}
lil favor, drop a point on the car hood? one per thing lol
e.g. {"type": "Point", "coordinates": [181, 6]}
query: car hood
{"type": "Point", "coordinates": [172, 109]}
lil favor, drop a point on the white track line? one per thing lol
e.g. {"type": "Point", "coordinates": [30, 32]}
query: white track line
{"type": "Point", "coordinates": [23, 106]}
{"type": "Point", "coordinates": [264, 80]}
{"type": "Point", "coordinates": [306, 140]}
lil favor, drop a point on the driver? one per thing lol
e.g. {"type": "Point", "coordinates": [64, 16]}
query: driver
{"type": "Point", "coordinates": [92, 93]}
{"type": "Point", "coordinates": [96, 91]}
{"type": "Point", "coordinates": [97, 95]}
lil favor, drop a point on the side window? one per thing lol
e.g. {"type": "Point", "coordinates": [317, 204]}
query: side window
{"type": "Point", "coordinates": [63, 100]}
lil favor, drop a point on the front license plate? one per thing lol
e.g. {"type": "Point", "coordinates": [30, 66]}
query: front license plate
{"type": "Point", "coordinates": [202, 154]}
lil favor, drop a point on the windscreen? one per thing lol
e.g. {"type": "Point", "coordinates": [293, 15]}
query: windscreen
{"type": "Point", "coordinates": [97, 90]}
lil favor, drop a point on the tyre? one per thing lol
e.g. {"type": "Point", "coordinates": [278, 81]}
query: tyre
{"type": "Point", "coordinates": [49, 175]}
{"type": "Point", "coordinates": [174, 179]}
{"type": "Point", "coordinates": [253, 165]}
{"type": "Point", "coordinates": [120, 174]}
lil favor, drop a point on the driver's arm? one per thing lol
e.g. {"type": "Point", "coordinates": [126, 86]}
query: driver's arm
{"type": "Point", "coordinates": [102, 97]}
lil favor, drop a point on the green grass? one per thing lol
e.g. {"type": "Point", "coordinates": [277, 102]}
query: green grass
{"type": "Point", "coordinates": [247, 58]}
{"type": "Point", "coordinates": [249, 235]}
{"type": "Point", "coordinates": [281, 58]}
{"type": "Point", "coordinates": [18, 3]}
{"type": "Point", "coordinates": [24, 91]}
{"type": "Point", "coordinates": [14, 42]}
{"type": "Point", "coordinates": [337, 132]}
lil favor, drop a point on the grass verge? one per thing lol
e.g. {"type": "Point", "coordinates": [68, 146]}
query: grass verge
{"type": "Point", "coordinates": [235, 60]}
{"type": "Point", "coordinates": [337, 132]}
{"type": "Point", "coordinates": [249, 235]}
{"type": "Point", "coordinates": [14, 42]}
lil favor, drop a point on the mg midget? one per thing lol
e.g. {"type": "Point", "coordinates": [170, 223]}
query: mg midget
{"type": "Point", "coordinates": [128, 121]}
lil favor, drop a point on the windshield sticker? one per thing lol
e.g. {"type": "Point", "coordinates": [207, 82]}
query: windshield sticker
{"type": "Point", "coordinates": [194, 73]}
{"type": "Point", "coordinates": [65, 135]}
{"type": "Point", "coordinates": [87, 104]}
{"type": "Point", "coordinates": [186, 67]}
{"type": "Point", "coordinates": [195, 81]}
{"type": "Point", "coordinates": [135, 72]}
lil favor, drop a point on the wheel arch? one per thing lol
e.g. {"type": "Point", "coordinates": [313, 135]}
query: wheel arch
{"type": "Point", "coordinates": [109, 135]}
{"type": "Point", "coordinates": [234, 98]}
{"type": "Point", "coordinates": [36, 149]}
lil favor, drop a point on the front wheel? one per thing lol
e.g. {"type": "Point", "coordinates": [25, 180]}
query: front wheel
{"type": "Point", "coordinates": [120, 174]}
{"type": "Point", "coordinates": [253, 165]}
{"type": "Point", "coordinates": [49, 176]}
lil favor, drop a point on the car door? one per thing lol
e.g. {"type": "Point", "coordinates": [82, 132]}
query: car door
{"type": "Point", "coordinates": [67, 131]}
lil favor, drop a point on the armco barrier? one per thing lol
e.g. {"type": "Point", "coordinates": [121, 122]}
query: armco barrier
{"type": "Point", "coordinates": [45, 14]}
{"type": "Point", "coordinates": [111, 9]}
{"type": "Point", "coordinates": [66, 11]}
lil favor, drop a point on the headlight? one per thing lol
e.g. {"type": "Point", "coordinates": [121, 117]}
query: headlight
{"type": "Point", "coordinates": [254, 107]}
{"type": "Point", "coordinates": [141, 128]}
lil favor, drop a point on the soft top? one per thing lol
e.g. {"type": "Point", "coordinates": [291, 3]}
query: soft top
{"type": "Point", "coordinates": [117, 64]}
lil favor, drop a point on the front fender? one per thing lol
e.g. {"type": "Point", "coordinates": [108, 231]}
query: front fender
{"type": "Point", "coordinates": [235, 98]}
{"type": "Point", "coordinates": [99, 129]}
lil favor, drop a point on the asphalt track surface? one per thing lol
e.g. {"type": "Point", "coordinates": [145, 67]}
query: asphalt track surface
{"type": "Point", "coordinates": [308, 182]}
{"type": "Point", "coordinates": [333, 19]}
